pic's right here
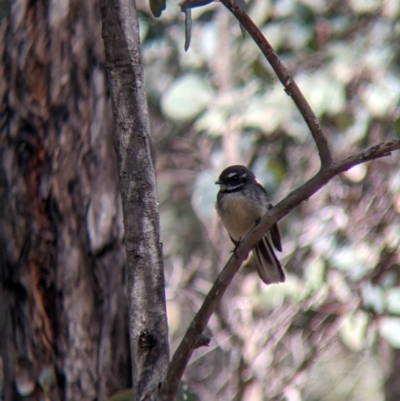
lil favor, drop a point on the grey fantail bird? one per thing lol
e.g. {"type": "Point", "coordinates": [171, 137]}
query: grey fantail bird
{"type": "Point", "coordinates": [241, 202]}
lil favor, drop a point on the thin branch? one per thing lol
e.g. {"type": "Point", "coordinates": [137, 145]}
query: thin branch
{"type": "Point", "coordinates": [287, 81]}
{"type": "Point", "coordinates": [185, 349]}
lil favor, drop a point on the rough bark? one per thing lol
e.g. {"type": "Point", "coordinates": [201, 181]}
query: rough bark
{"type": "Point", "coordinates": [63, 292]}
{"type": "Point", "coordinates": [147, 314]}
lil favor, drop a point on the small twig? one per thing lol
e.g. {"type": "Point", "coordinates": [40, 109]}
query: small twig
{"type": "Point", "coordinates": [287, 81]}
{"type": "Point", "coordinates": [188, 27]}
{"type": "Point", "coordinates": [185, 349]}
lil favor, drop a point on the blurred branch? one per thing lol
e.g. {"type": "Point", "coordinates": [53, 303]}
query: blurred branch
{"type": "Point", "coordinates": [295, 198]}
{"type": "Point", "coordinates": [287, 81]}
{"type": "Point", "coordinates": [188, 27]}
{"type": "Point", "coordinates": [186, 7]}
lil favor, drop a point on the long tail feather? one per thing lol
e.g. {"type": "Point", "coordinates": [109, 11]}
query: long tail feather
{"type": "Point", "coordinates": [268, 265]}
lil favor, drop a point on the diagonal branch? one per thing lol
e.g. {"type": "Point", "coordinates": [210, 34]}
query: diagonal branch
{"type": "Point", "coordinates": [287, 81]}
{"type": "Point", "coordinates": [185, 349]}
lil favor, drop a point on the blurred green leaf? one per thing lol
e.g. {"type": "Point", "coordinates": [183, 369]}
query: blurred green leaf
{"type": "Point", "coordinates": [353, 330]}
{"type": "Point", "coordinates": [358, 260]}
{"type": "Point", "coordinates": [269, 172]}
{"type": "Point", "coordinates": [266, 113]}
{"type": "Point", "coordinates": [298, 36]}
{"type": "Point", "coordinates": [345, 258]}
{"type": "Point", "coordinates": [359, 129]}
{"type": "Point", "coordinates": [275, 32]}
{"type": "Point", "coordinates": [186, 97]}
{"type": "Point", "coordinates": [373, 298]}
{"type": "Point", "coordinates": [393, 300]}
{"type": "Point", "coordinates": [324, 93]}
{"type": "Point", "coordinates": [144, 28]}
{"type": "Point", "coordinates": [314, 274]}
{"type": "Point", "coordinates": [389, 329]}
{"type": "Point", "coordinates": [365, 6]}
{"type": "Point", "coordinates": [205, 194]}
{"type": "Point", "coordinates": [394, 181]}
{"type": "Point", "coordinates": [382, 97]}
{"type": "Point", "coordinates": [212, 122]}
{"type": "Point", "coordinates": [259, 11]}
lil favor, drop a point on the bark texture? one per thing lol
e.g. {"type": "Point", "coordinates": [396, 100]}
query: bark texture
{"type": "Point", "coordinates": [64, 314]}
{"type": "Point", "coordinates": [147, 314]}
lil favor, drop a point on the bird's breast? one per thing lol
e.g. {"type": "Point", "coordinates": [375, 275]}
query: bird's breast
{"type": "Point", "coordinates": [239, 213]}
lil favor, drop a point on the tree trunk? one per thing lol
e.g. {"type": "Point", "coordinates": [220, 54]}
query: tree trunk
{"type": "Point", "coordinates": [64, 308]}
{"type": "Point", "coordinates": [147, 312]}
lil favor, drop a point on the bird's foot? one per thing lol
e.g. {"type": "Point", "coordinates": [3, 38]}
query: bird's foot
{"type": "Point", "coordinates": [236, 247]}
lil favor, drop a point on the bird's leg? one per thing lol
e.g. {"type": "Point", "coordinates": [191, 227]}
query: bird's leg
{"type": "Point", "coordinates": [236, 243]}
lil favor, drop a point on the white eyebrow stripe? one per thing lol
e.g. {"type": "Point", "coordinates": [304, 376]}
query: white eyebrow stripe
{"type": "Point", "coordinates": [230, 175]}
{"type": "Point", "coordinates": [228, 188]}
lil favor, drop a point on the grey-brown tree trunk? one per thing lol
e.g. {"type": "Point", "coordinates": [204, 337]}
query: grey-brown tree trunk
{"type": "Point", "coordinates": [147, 310]}
{"type": "Point", "coordinates": [64, 308]}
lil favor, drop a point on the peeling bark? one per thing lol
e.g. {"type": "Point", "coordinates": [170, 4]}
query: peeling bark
{"type": "Point", "coordinates": [63, 290]}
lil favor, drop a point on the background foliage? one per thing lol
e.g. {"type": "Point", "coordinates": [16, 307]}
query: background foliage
{"type": "Point", "coordinates": [329, 332]}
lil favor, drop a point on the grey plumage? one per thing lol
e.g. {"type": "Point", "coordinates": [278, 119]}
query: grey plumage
{"type": "Point", "coordinates": [241, 202]}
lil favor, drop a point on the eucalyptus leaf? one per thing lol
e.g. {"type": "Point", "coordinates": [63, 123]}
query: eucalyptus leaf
{"type": "Point", "coordinates": [213, 122]}
{"type": "Point", "coordinates": [353, 330]}
{"type": "Point", "coordinates": [243, 6]}
{"type": "Point", "coordinates": [204, 195]}
{"type": "Point", "coordinates": [188, 28]}
{"type": "Point", "coordinates": [365, 6]}
{"type": "Point", "coordinates": [324, 93]}
{"type": "Point", "coordinates": [186, 97]}
{"type": "Point", "coordinates": [382, 97]}
{"type": "Point", "coordinates": [373, 298]}
{"type": "Point", "coordinates": [393, 300]}
{"type": "Point", "coordinates": [268, 112]}
{"type": "Point", "coordinates": [389, 329]}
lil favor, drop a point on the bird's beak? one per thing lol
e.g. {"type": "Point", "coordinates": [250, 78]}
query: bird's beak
{"type": "Point", "coordinates": [218, 182]}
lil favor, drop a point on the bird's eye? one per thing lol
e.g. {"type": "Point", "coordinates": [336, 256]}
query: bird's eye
{"type": "Point", "coordinates": [233, 176]}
